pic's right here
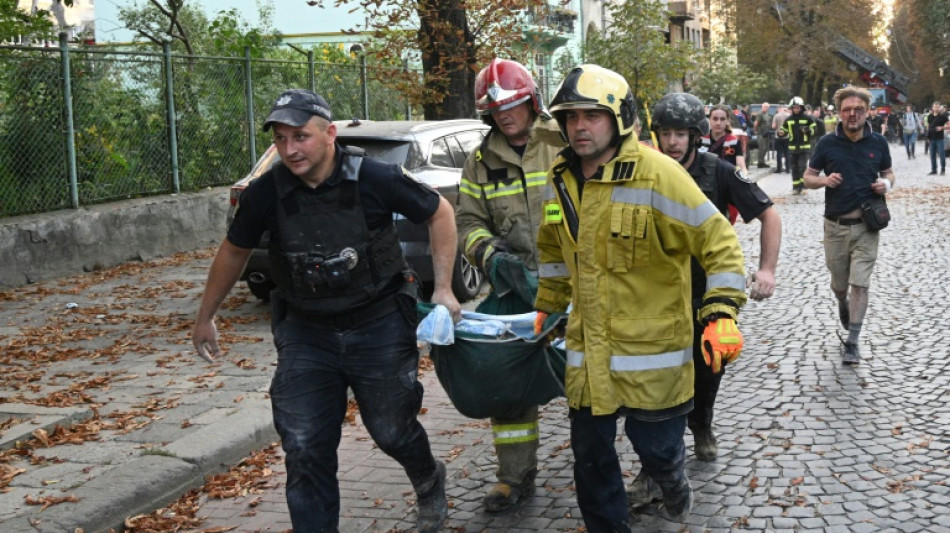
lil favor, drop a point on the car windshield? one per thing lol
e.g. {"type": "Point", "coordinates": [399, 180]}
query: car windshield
{"type": "Point", "coordinates": [394, 152]}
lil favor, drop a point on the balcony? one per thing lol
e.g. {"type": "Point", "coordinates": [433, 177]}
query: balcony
{"type": "Point", "coordinates": [549, 28]}
{"type": "Point", "coordinates": [682, 10]}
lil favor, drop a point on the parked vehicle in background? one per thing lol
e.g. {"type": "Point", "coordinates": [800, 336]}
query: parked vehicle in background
{"type": "Point", "coordinates": [432, 151]}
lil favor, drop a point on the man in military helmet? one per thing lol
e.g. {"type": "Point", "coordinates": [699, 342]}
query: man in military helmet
{"type": "Point", "coordinates": [679, 123]}
{"type": "Point", "coordinates": [621, 256]}
{"type": "Point", "coordinates": [498, 215]}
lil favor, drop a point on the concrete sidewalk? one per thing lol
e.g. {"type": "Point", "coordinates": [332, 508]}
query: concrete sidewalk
{"type": "Point", "coordinates": [806, 444]}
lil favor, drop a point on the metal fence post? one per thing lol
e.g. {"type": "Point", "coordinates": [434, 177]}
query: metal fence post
{"type": "Point", "coordinates": [172, 118]}
{"type": "Point", "coordinates": [311, 71]}
{"type": "Point", "coordinates": [405, 67]}
{"type": "Point", "coordinates": [70, 127]}
{"type": "Point", "coordinates": [249, 89]}
{"type": "Point", "coordinates": [364, 85]}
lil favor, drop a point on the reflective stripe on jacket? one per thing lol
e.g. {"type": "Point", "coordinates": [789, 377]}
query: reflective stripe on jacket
{"type": "Point", "coordinates": [800, 130]}
{"type": "Point", "coordinates": [630, 332]}
{"type": "Point", "coordinates": [500, 192]}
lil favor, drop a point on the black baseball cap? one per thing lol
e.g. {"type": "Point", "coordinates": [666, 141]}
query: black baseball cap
{"type": "Point", "coordinates": [294, 107]}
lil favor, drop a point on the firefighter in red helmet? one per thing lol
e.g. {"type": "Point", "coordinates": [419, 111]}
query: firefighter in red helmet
{"type": "Point", "coordinates": [498, 215]}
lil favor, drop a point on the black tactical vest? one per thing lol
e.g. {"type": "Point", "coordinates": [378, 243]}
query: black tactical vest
{"type": "Point", "coordinates": [328, 262]}
{"type": "Point", "coordinates": [708, 181]}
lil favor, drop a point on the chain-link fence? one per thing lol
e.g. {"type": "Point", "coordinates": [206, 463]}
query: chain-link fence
{"type": "Point", "coordinates": [115, 138]}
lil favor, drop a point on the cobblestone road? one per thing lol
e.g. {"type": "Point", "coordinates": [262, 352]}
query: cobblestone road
{"type": "Point", "coordinates": [806, 444]}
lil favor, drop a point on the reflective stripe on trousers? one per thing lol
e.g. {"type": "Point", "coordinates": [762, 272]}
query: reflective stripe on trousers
{"type": "Point", "coordinates": [515, 433]}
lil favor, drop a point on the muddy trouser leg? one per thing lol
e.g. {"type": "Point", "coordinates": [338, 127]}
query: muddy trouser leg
{"type": "Point", "coordinates": [662, 452]}
{"type": "Point", "coordinates": [382, 363]}
{"type": "Point", "coordinates": [308, 398]}
{"type": "Point", "coordinates": [597, 474]}
{"type": "Point", "coordinates": [516, 444]}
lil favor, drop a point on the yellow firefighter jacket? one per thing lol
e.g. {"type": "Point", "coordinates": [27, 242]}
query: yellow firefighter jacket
{"type": "Point", "coordinates": [500, 193]}
{"type": "Point", "coordinates": [627, 272]}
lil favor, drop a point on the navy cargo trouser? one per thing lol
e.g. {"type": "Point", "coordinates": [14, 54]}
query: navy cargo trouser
{"type": "Point", "coordinates": [379, 361]}
{"type": "Point", "coordinates": [598, 475]}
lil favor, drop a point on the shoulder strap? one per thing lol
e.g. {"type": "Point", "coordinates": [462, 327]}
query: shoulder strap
{"type": "Point", "coordinates": [352, 161]}
{"type": "Point", "coordinates": [718, 144]}
{"type": "Point", "coordinates": [709, 163]}
{"type": "Point", "coordinates": [570, 211]}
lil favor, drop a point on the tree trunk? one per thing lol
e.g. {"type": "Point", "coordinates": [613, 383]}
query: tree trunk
{"type": "Point", "coordinates": [798, 80]}
{"type": "Point", "coordinates": [447, 58]}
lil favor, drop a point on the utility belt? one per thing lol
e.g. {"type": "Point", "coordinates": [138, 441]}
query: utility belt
{"type": "Point", "coordinates": [353, 318]}
{"type": "Point", "coordinates": [841, 221]}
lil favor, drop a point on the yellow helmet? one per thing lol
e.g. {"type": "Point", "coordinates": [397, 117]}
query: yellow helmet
{"type": "Point", "coordinates": [595, 87]}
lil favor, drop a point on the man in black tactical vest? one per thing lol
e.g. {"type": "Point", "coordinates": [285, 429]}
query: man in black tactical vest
{"type": "Point", "coordinates": [344, 311]}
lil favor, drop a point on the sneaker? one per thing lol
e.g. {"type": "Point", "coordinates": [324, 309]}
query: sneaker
{"type": "Point", "coordinates": [932, 173]}
{"type": "Point", "coordinates": [705, 445]}
{"type": "Point", "coordinates": [643, 491]}
{"type": "Point", "coordinates": [677, 507]}
{"type": "Point", "coordinates": [851, 355]}
{"type": "Point", "coordinates": [503, 496]}
{"type": "Point", "coordinates": [433, 507]}
{"type": "Point", "coordinates": [844, 313]}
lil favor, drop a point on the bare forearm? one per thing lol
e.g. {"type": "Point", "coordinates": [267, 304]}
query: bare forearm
{"type": "Point", "coordinates": [812, 179]}
{"type": "Point", "coordinates": [443, 238]}
{"type": "Point", "coordinates": [226, 269]}
{"type": "Point", "coordinates": [770, 239]}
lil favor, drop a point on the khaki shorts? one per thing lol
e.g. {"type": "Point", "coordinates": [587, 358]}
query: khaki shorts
{"type": "Point", "coordinates": [850, 253]}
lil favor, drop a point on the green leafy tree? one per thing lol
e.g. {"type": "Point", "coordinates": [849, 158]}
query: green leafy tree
{"type": "Point", "coordinates": [792, 42]}
{"type": "Point", "coordinates": [15, 22]}
{"type": "Point", "coordinates": [921, 46]}
{"type": "Point", "coordinates": [452, 39]}
{"type": "Point", "coordinates": [634, 46]}
{"type": "Point", "coordinates": [718, 78]}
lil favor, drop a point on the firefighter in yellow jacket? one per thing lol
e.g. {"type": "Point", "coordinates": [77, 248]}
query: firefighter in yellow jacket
{"type": "Point", "coordinates": [621, 222]}
{"type": "Point", "coordinates": [498, 216]}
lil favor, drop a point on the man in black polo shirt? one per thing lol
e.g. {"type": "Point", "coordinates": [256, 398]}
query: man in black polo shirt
{"type": "Point", "coordinates": [344, 308]}
{"type": "Point", "coordinates": [857, 166]}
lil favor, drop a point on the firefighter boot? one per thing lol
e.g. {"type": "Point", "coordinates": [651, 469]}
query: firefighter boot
{"type": "Point", "coordinates": [705, 445]}
{"type": "Point", "coordinates": [677, 505]}
{"type": "Point", "coordinates": [433, 507]}
{"type": "Point", "coordinates": [643, 491]}
{"type": "Point", "coordinates": [503, 496]}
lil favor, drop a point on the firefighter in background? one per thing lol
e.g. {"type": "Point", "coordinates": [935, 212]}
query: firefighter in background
{"type": "Point", "coordinates": [498, 216]}
{"type": "Point", "coordinates": [799, 129]}
{"type": "Point", "coordinates": [622, 257]}
{"type": "Point", "coordinates": [831, 119]}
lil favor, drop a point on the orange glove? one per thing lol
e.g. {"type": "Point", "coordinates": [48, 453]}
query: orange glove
{"type": "Point", "coordinates": [722, 343]}
{"type": "Point", "coordinates": [539, 322]}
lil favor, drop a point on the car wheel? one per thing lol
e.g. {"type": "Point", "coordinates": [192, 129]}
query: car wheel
{"type": "Point", "coordinates": [466, 279]}
{"type": "Point", "coordinates": [261, 289]}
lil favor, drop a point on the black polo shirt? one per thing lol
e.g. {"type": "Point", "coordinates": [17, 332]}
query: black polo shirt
{"type": "Point", "coordinates": [935, 122]}
{"type": "Point", "coordinates": [384, 189]}
{"type": "Point", "coordinates": [859, 162]}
